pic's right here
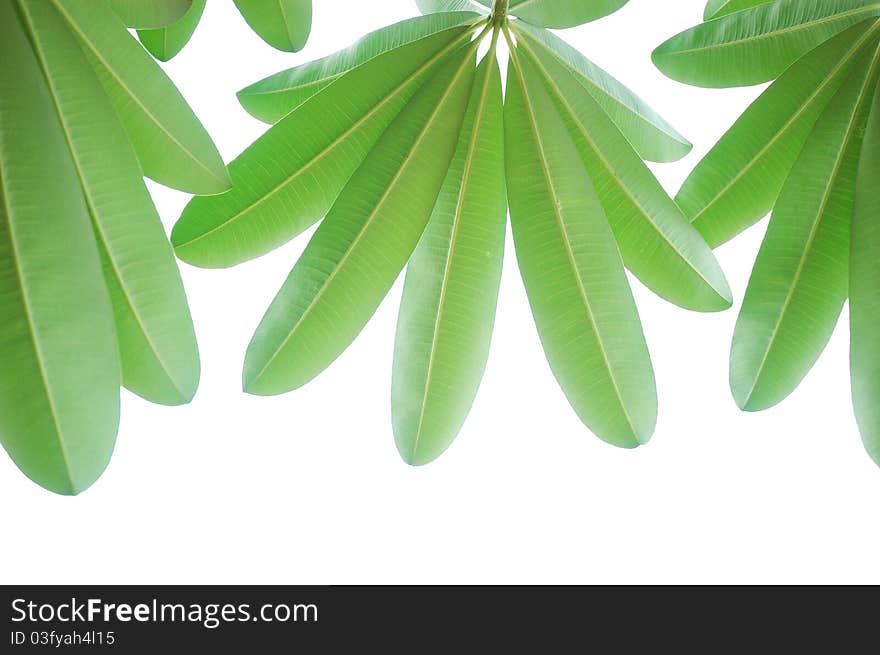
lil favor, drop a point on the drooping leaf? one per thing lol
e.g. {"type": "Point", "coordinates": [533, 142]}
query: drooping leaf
{"type": "Point", "coordinates": [800, 279]}
{"type": "Point", "coordinates": [290, 177]}
{"type": "Point", "coordinates": [560, 14]}
{"type": "Point", "coordinates": [149, 14]}
{"type": "Point", "coordinates": [651, 136]}
{"type": "Point", "coordinates": [738, 182]}
{"type": "Point", "coordinates": [271, 99]}
{"type": "Point", "coordinates": [283, 24]}
{"type": "Point", "coordinates": [655, 239]}
{"type": "Point", "coordinates": [157, 343]}
{"type": "Point", "coordinates": [167, 42]}
{"type": "Point", "coordinates": [363, 244]}
{"type": "Point", "coordinates": [448, 307]}
{"type": "Point", "coordinates": [758, 44]}
{"type": "Point", "coordinates": [59, 381]}
{"type": "Point", "coordinates": [719, 8]}
{"type": "Point", "coordinates": [864, 288]}
{"type": "Point", "coordinates": [577, 288]}
{"type": "Point", "coordinates": [172, 146]}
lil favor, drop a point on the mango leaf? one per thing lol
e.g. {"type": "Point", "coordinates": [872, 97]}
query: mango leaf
{"type": "Point", "coordinates": [560, 14]}
{"type": "Point", "coordinates": [738, 182]}
{"type": "Point", "coordinates": [864, 288]}
{"type": "Point", "coordinates": [758, 44]}
{"type": "Point", "coordinates": [149, 14]}
{"type": "Point", "coordinates": [650, 135]}
{"type": "Point", "coordinates": [800, 280]}
{"type": "Point", "coordinates": [91, 292]}
{"type": "Point", "coordinates": [448, 308]}
{"type": "Point", "coordinates": [166, 43]}
{"type": "Point", "coordinates": [172, 146]}
{"type": "Point", "coordinates": [291, 176]}
{"type": "Point", "coordinates": [577, 288]}
{"type": "Point", "coordinates": [271, 99]}
{"type": "Point", "coordinates": [343, 144]}
{"type": "Point", "coordinates": [59, 383]}
{"type": "Point", "coordinates": [807, 149]}
{"type": "Point", "coordinates": [157, 342]}
{"type": "Point", "coordinates": [366, 240]}
{"type": "Point", "coordinates": [655, 239]}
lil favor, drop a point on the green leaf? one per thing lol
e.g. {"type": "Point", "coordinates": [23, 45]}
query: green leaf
{"type": "Point", "coordinates": [283, 24]}
{"type": "Point", "coordinates": [448, 307]}
{"type": "Point", "coordinates": [577, 288]}
{"type": "Point", "coordinates": [758, 44]}
{"type": "Point", "coordinates": [167, 42]}
{"type": "Point", "coordinates": [864, 288]}
{"type": "Point", "coordinates": [800, 279]}
{"type": "Point", "coordinates": [655, 239]}
{"type": "Point", "coordinates": [719, 8]}
{"type": "Point", "coordinates": [172, 146]}
{"type": "Point", "coordinates": [271, 99]}
{"type": "Point", "coordinates": [290, 177]}
{"type": "Point", "coordinates": [738, 182]}
{"type": "Point", "coordinates": [363, 244]}
{"type": "Point", "coordinates": [561, 14]}
{"type": "Point", "coordinates": [157, 343]}
{"type": "Point", "coordinates": [59, 382]}
{"type": "Point", "coordinates": [149, 14]}
{"type": "Point", "coordinates": [651, 136]}
{"type": "Point", "coordinates": [439, 6]}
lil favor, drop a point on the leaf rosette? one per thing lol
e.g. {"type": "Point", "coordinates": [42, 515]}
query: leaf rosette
{"type": "Point", "coordinates": [808, 149]}
{"type": "Point", "coordinates": [408, 148]}
{"type": "Point", "coordinates": [90, 293]}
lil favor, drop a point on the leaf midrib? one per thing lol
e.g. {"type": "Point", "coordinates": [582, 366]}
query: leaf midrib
{"type": "Point", "coordinates": [369, 220]}
{"type": "Point", "coordinates": [814, 230]}
{"type": "Point", "coordinates": [614, 176]}
{"type": "Point", "coordinates": [852, 52]}
{"type": "Point", "coordinates": [90, 203]}
{"type": "Point", "coordinates": [787, 30]}
{"type": "Point", "coordinates": [548, 179]}
{"type": "Point", "coordinates": [153, 119]}
{"type": "Point", "coordinates": [333, 144]}
{"type": "Point", "coordinates": [444, 288]}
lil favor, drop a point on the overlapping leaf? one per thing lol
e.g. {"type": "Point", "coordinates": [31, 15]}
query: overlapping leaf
{"type": "Point", "coordinates": [283, 24]}
{"type": "Point", "coordinates": [403, 143]}
{"type": "Point", "coordinates": [93, 298]}
{"type": "Point", "coordinates": [801, 150]}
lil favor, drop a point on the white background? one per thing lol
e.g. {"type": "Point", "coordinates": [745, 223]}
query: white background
{"type": "Point", "coordinates": [308, 487]}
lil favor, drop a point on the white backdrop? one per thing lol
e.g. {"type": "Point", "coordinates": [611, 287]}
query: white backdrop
{"type": "Point", "coordinates": [308, 487]}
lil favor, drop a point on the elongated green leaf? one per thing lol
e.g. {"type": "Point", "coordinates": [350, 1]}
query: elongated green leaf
{"type": "Point", "coordinates": [434, 6]}
{"type": "Point", "coordinates": [283, 24]}
{"type": "Point", "coordinates": [273, 98]}
{"type": "Point", "coordinates": [864, 288]}
{"type": "Point", "coordinates": [448, 307]}
{"type": "Point", "coordinates": [150, 14]}
{"type": "Point", "coordinates": [577, 288]}
{"type": "Point", "coordinates": [758, 44]}
{"type": "Point", "coordinates": [363, 244]}
{"type": "Point", "coordinates": [167, 42]}
{"type": "Point", "coordinates": [59, 379]}
{"type": "Point", "coordinates": [800, 280]}
{"type": "Point", "coordinates": [719, 8]}
{"type": "Point", "coordinates": [290, 177]}
{"type": "Point", "coordinates": [560, 14]}
{"type": "Point", "coordinates": [655, 239]}
{"type": "Point", "coordinates": [651, 136]}
{"type": "Point", "coordinates": [157, 342]}
{"type": "Point", "coordinates": [738, 182]}
{"type": "Point", "coordinates": [171, 144]}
